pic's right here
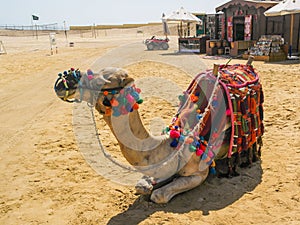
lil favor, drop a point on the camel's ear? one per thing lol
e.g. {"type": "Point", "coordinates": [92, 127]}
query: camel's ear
{"type": "Point", "coordinates": [97, 83]}
{"type": "Point", "coordinates": [107, 75]}
{"type": "Point", "coordinates": [102, 78]}
{"type": "Point", "coordinates": [104, 75]}
{"type": "Point", "coordinates": [121, 74]}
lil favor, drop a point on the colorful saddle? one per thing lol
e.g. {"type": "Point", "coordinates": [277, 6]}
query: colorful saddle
{"type": "Point", "coordinates": [228, 115]}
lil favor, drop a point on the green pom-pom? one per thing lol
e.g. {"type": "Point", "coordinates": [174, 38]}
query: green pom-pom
{"type": "Point", "coordinates": [140, 101]}
{"type": "Point", "coordinates": [193, 148]}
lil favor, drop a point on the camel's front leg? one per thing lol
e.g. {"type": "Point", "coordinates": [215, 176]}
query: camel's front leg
{"type": "Point", "coordinates": [179, 185]}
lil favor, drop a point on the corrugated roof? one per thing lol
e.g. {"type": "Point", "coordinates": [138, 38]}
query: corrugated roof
{"type": "Point", "coordinates": [254, 3]}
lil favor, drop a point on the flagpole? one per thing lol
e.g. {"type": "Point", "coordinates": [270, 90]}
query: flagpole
{"type": "Point", "coordinates": [33, 17]}
{"type": "Point", "coordinates": [36, 32]}
{"type": "Point", "coordinates": [66, 35]}
{"type": "Point", "coordinates": [32, 26]}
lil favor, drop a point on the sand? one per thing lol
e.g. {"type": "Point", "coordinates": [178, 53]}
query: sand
{"type": "Point", "coordinates": [46, 180]}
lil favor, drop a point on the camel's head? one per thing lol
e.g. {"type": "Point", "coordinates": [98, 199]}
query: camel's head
{"type": "Point", "coordinates": [95, 88]}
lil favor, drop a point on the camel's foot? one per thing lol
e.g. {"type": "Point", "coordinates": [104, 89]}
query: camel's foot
{"type": "Point", "coordinates": [179, 185]}
{"type": "Point", "coordinates": [144, 186]}
{"type": "Point", "coordinates": [162, 196]}
{"type": "Point", "coordinates": [231, 173]}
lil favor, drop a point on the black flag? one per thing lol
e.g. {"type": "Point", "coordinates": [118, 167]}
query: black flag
{"type": "Point", "coordinates": [35, 17]}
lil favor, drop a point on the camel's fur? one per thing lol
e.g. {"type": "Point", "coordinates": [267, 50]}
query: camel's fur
{"type": "Point", "coordinates": [192, 174]}
{"type": "Point", "coordinates": [143, 150]}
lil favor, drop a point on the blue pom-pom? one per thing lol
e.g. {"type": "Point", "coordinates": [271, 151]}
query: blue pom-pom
{"type": "Point", "coordinates": [181, 138]}
{"type": "Point", "coordinates": [212, 170]}
{"type": "Point", "coordinates": [209, 162]}
{"type": "Point", "coordinates": [116, 112]}
{"type": "Point", "coordinates": [128, 107]}
{"type": "Point", "coordinates": [135, 95]}
{"type": "Point", "coordinates": [214, 103]}
{"type": "Point", "coordinates": [174, 143]}
{"type": "Point", "coordinates": [204, 156]}
{"type": "Point", "coordinates": [199, 116]}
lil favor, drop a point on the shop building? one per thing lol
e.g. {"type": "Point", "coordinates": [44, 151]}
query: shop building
{"type": "Point", "coordinates": [245, 23]}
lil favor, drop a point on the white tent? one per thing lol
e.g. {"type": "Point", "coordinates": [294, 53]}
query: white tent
{"type": "Point", "coordinates": [166, 29]}
{"type": "Point", "coordinates": [286, 7]}
{"type": "Point", "coordinates": [181, 16]}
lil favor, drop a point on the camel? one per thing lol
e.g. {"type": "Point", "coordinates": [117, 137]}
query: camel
{"type": "Point", "coordinates": [181, 158]}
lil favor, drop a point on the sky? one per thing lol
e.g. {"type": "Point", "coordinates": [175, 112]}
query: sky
{"type": "Point", "coordinates": [89, 12]}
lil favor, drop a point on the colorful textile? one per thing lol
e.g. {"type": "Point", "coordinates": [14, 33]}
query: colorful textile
{"type": "Point", "coordinates": [246, 99]}
{"type": "Point", "coordinates": [236, 99]}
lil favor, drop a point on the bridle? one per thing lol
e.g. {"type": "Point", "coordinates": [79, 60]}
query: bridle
{"type": "Point", "coordinates": [69, 82]}
{"type": "Point", "coordinates": [73, 80]}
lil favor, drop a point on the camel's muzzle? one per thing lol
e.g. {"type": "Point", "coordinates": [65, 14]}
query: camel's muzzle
{"type": "Point", "coordinates": [66, 85]}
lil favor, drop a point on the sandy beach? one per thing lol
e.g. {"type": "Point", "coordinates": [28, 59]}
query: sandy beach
{"type": "Point", "coordinates": [46, 180]}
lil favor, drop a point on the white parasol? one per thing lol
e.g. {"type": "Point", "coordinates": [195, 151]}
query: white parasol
{"type": "Point", "coordinates": [286, 7]}
{"type": "Point", "coordinates": [181, 16]}
{"type": "Point", "coordinates": [166, 29]}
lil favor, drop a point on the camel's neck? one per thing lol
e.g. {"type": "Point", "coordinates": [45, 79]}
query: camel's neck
{"type": "Point", "coordinates": [138, 146]}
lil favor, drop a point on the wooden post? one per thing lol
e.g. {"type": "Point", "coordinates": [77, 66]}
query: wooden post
{"type": "Point", "coordinates": [216, 69]}
{"type": "Point", "coordinates": [250, 60]}
{"type": "Point", "coordinates": [291, 33]}
{"type": "Point", "coordinates": [2, 48]}
{"type": "Point", "coordinates": [291, 29]}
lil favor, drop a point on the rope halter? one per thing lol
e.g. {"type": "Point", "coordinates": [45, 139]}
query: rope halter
{"type": "Point", "coordinates": [116, 101]}
{"type": "Point", "coordinates": [67, 84]}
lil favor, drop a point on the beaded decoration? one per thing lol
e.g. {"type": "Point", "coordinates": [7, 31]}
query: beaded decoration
{"type": "Point", "coordinates": [197, 143]}
{"type": "Point", "coordinates": [121, 102]}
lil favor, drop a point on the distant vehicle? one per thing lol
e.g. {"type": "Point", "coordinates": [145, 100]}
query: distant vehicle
{"type": "Point", "coordinates": [154, 43]}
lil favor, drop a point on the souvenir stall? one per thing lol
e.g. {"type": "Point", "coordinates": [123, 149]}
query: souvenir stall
{"type": "Point", "coordinates": [286, 14]}
{"type": "Point", "coordinates": [269, 48]}
{"type": "Point", "coordinates": [245, 23]}
{"type": "Point", "coordinates": [186, 41]}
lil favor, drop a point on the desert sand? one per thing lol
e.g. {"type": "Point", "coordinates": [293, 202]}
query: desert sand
{"type": "Point", "coordinates": [46, 180]}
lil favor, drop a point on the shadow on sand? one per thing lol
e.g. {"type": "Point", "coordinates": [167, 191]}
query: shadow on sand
{"type": "Point", "coordinates": [213, 194]}
{"type": "Point", "coordinates": [286, 62]}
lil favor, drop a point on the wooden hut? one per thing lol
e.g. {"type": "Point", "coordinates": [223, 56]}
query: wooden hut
{"type": "Point", "coordinates": [245, 22]}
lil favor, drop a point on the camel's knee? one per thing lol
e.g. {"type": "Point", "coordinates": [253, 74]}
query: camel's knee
{"type": "Point", "coordinates": [144, 186]}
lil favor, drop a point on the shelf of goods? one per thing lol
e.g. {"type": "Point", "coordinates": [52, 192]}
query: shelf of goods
{"type": "Point", "coordinates": [192, 44]}
{"type": "Point", "coordinates": [268, 48]}
{"type": "Point", "coordinates": [217, 47]}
